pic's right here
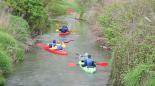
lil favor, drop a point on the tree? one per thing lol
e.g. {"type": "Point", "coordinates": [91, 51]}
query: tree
{"type": "Point", "coordinates": [31, 10]}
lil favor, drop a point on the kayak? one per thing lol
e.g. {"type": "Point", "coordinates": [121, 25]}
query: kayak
{"type": "Point", "coordinates": [55, 47]}
{"type": "Point", "coordinates": [46, 47]}
{"type": "Point", "coordinates": [56, 51]}
{"type": "Point", "coordinates": [90, 70]}
{"type": "Point", "coordinates": [63, 34]}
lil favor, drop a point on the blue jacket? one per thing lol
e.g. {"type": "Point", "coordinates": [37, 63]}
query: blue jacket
{"type": "Point", "coordinates": [59, 47]}
{"type": "Point", "coordinates": [88, 62]}
{"type": "Point", "coordinates": [64, 29]}
{"type": "Point", "coordinates": [52, 44]}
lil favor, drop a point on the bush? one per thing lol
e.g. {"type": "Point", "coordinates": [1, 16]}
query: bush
{"type": "Point", "coordinates": [5, 62]}
{"type": "Point", "coordinates": [19, 28]}
{"type": "Point", "coordinates": [7, 42]}
{"type": "Point", "coordinates": [56, 7]}
{"type": "Point", "coordinates": [2, 80]}
{"type": "Point", "coordinates": [134, 76]}
{"type": "Point", "coordinates": [31, 10]}
{"type": "Point", "coordinates": [129, 28]}
{"type": "Point", "coordinates": [10, 45]}
{"type": "Point", "coordinates": [20, 55]}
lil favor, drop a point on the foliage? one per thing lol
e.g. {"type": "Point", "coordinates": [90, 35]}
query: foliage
{"type": "Point", "coordinates": [17, 27]}
{"type": "Point", "coordinates": [11, 46]}
{"type": "Point", "coordinates": [2, 80]}
{"type": "Point", "coordinates": [136, 75]}
{"type": "Point", "coordinates": [13, 33]}
{"type": "Point", "coordinates": [83, 5]}
{"type": "Point", "coordinates": [31, 10]}
{"type": "Point", "coordinates": [56, 7]}
{"type": "Point", "coordinates": [5, 62]}
{"type": "Point", "coordinates": [130, 32]}
{"type": "Point", "coordinates": [7, 42]}
{"type": "Point", "coordinates": [111, 24]}
{"type": "Point", "coordinates": [151, 79]}
{"type": "Point", "coordinates": [20, 55]}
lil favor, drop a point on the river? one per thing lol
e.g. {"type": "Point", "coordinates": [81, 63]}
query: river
{"type": "Point", "coordinates": [42, 68]}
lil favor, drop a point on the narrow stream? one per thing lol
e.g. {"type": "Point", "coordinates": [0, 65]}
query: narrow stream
{"type": "Point", "coordinates": [42, 68]}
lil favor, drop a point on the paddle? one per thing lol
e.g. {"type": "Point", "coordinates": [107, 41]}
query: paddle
{"type": "Point", "coordinates": [103, 64]}
{"type": "Point", "coordinates": [71, 64]}
{"type": "Point", "coordinates": [68, 41]}
{"type": "Point", "coordinates": [41, 45]}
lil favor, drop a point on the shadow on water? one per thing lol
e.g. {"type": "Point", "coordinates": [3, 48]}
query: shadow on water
{"type": "Point", "coordinates": [42, 68]}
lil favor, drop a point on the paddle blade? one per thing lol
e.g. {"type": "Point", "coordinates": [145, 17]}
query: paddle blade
{"type": "Point", "coordinates": [68, 41]}
{"type": "Point", "coordinates": [40, 45]}
{"type": "Point", "coordinates": [76, 53]}
{"type": "Point", "coordinates": [104, 64]}
{"type": "Point", "coordinates": [71, 64]}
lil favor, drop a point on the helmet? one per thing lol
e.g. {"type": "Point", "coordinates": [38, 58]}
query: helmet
{"type": "Point", "coordinates": [89, 56]}
{"type": "Point", "coordinates": [65, 26]}
{"type": "Point", "coordinates": [54, 41]}
{"type": "Point", "coordinates": [86, 54]}
{"type": "Point", "coordinates": [58, 42]}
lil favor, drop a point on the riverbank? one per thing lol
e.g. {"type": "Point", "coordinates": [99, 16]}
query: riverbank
{"type": "Point", "coordinates": [128, 27]}
{"type": "Point", "coordinates": [92, 19]}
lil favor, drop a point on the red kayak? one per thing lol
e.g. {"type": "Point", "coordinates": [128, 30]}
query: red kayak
{"type": "Point", "coordinates": [52, 50]}
{"type": "Point", "coordinates": [64, 34]}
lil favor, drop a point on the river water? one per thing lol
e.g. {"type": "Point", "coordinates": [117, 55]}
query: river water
{"type": "Point", "coordinates": [42, 68]}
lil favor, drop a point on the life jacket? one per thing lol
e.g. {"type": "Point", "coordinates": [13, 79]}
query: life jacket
{"type": "Point", "coordinates": [59, 47]}
{"type": "Point", "coordinates": [64, 29]}
{"type": "Point", "coordinates": [88, 62]}
{"type": "Point", "coordinates": [52, 45]}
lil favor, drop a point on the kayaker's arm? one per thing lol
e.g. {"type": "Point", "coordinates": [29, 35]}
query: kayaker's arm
{"type": "Point", "coordinates": [80, 56]}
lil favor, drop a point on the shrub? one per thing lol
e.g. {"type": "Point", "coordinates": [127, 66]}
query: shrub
{"type": "Point", "coordinates": [5, 62]}
{"type": "Point", "coordinates": [129, 28]}
{"type": "Point", "coordinates": [2, 80]}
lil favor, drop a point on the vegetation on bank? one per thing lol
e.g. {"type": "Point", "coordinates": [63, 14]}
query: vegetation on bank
{"type": "Point", "coordinates": [18, 19]}
{"type": "Point", "coordinates": [13, 34]}
{"type": "Point", "coordinates": [129, 27]}
{"type": "Point", "coordinates": [82, 6]}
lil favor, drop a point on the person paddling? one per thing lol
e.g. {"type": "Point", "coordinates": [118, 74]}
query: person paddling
{"type": "Point", "coordinates": [85, 56]}
{"type": "Point", "coordinates": [53, 44]}
{"type": "Point", "coordinates": [64, 29]}
{"type": "Point", "coordinates": [88, 62]}
{"type": "Point", "coordinates": [59, 46]}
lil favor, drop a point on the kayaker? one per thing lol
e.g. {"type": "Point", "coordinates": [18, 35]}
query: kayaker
{"type": "Point", "coordinates": [63, 44]}
{"type": "Point", "coordinates": [59, 46]}
{"type": "Point", "coordinates": [84, 57]}
{"type": "Point", "coordinates": [64, 29]}
{"type": "Point", "coordinates": [89, 62]}
{"type": "Point", "coordinates": [53, 44]}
